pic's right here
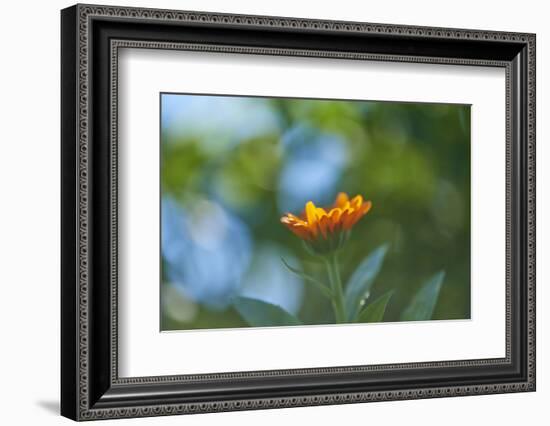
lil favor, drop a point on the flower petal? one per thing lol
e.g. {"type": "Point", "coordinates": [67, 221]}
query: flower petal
{"type": "Point", "coordinates": [346, 219]}
{"type": "Point", "coordinates": [301, 231]}
{"type": "Point", "coordinates": [320, 212]}
{"type": "Point", "coordinates": [296, 219]}
{"type": "Point", "coordinates": [341, 200]}
{"type": "Point", "coordinates": [287, 220]}
{"type": "Point", "coordinates": [366, 206]}
{"type": "Point", "coordinates": [334, 216]}
{"type": "Point", "coordinates": [289, 223]}
{"type": "Point", "coordinates": [359, 213]}
{"type": "Point", "coordinates": [324, 225]}
{"type": "Point", "coordinates": [311, 215]}
{"type": "Point", "coordinates": [356, 202]}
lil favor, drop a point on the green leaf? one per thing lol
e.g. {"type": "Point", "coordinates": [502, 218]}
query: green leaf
{"type": "Point", "coordinates": [374, 312]}
{"type": "Point", "coordinates": [362, 279]}
{"type": "Point", "coordinates": [308, 278]}
{"type": "Point", "coordinates": [258, 313]}
{"type": "Point", "coordinates": [423, 303]}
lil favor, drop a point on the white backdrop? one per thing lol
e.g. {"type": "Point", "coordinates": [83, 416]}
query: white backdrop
{"type": "Point", "coordinates": [29, 225]}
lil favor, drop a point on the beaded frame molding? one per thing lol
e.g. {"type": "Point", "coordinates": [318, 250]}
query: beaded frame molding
{"type": "Point", "coordinates": [91, 39]}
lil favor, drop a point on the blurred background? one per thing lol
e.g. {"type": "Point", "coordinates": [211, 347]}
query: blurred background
{"type": "Point", "coordinates": [232, 166]}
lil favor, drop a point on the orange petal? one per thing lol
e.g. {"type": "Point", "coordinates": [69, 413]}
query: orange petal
{"type": "Point", "coordinates": [322, 220]}
{"type": "Point", "coordinates": [311, 213]}
{"type": "Point", "coordinates": [320, 212]}
{"type": "Point", "coordinates": [324, 225]}
{"type": "Point", "coordinates": [364, 209]}
{"type": "Point", "coordinates": [346, 218]}
{"type": "Point", "coordinates": [334, 217]}
{"type": "Point", "coordinates": [287, 222]}
{"type": "Point", "coordinates": [314, 229]}
{"type": "Point", "coordinates": [296, 219]}
{"type": "Point", "coordinates": [291, 222]}
{"type": "Point", "coordinates": [366, 206]}
{"type": "Point", "coordinates": [356, 202]}
{"type": "Point", "coordinates": [301, 231]}
{"type": "Point", "coordinates": [299, 228]}
{"type": "Point", "coordinates": [341, 200]}
{"type": "Point", "coordinates": [359, 213]}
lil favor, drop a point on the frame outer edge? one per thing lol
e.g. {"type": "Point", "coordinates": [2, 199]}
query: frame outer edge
{"type": "Point", "coordinates": [69, 282]}
{"type": "Point", "coordinates": [81, 318]}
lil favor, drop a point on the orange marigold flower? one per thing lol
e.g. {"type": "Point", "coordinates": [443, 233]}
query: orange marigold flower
{"type": "Point", "coordinates": [325, 230]}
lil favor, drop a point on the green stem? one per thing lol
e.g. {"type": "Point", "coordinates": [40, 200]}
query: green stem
{"type": "Point", "coordinates": [337, 291]}
{"type": "Point", "coordinates": [339, 288]}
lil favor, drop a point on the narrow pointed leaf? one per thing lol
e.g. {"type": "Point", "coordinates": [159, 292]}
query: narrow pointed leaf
{"type": "Point", "coordinates": [422, 305]}
{"type": "Point", "coordinates": [258, 313]}
{"type": "Point", "coordinates": [374, 312]}
{"type": "Point", "coordinates": [308, 278]}
{"type": "Point", "coordinates": [362, 280]}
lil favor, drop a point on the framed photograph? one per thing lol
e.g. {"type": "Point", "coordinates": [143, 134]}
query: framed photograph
{"type": "Point", "coordinates": [263, 212]}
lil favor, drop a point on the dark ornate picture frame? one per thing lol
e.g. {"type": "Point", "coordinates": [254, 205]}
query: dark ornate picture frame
{"type": "Point", "coordinates": [90, 38]}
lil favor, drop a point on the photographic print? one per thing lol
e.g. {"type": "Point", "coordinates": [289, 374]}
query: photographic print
{"type": "Point", "coordinates": [285, 211]}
